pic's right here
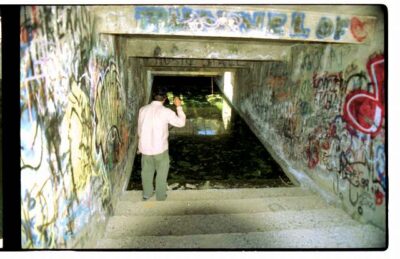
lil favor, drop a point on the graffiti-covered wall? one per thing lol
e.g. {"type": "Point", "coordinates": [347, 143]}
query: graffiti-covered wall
{"type": "Point", "coordinates": [322, 112]}
{"type": "Point", "coordinates": [76, 126]}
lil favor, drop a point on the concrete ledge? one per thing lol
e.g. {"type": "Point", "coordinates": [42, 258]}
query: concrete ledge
{"type": "Point", "coordinates": [203, 207]}
{"type": "Point", "coordinates": [224, 194]}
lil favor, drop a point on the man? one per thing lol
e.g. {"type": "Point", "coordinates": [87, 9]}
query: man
{"type": "Point", "coordinates": [153, 142]}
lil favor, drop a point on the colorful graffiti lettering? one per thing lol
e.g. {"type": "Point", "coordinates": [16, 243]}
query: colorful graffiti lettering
{"type": "Point", "coordinates": [298, 26]}
{"type": "Point", "coordinates": [325, 28]}
{"type": "Point", "coordinates": [276, 22]}
{"type": "Point", "coordinates": [364, 110]}
{"type": "Point", "coordinates": [264, 24]}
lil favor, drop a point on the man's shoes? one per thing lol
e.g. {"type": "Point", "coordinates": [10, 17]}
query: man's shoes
{"type": "Point", "coordinates": [144, 198]}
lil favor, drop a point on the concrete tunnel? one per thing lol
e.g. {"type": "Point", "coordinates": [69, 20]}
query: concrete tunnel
{"type": "Point", "coordinates": [309, 81]}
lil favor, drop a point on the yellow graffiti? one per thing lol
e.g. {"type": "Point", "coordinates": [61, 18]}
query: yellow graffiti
{"type": "Point", "coordinates": [78, 119]}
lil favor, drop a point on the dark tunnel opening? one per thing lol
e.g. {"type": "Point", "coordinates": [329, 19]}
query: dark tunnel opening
{"type": "Point", "coordinates": [216, 149]}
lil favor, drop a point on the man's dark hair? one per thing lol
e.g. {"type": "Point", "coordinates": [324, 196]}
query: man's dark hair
{"type": "Point", "coordinates": [159, 94]}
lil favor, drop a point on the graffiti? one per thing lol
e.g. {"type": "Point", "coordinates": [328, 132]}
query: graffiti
{"type": "Point", "coordinates": [328, 91]}
{"type": "Point", "coordinates": [109, 112]}
{"type": "Point", "coordinates": [318, 59]}
{"type": "Point", "coordinates": [349, 157]}
{"type": "Point", "coordinates": [305, 93]}
{"type": "Point", "coordinates": [305, 113]}
{"type": "Point", "coordinates": [205, 21]}
{"type": "Point", "coordinates": [79, 128]}
{"type": "Point", "coordinates": [276, 22]}
{"type": "Point", "coordinates": [264, 24]}
{"type": "Point", "coordinates": [64, 79]}
{"type": "Point", "coordinates": [341, 28]}
{"type": "Point", "coordinates": [308, 63]}
{"type": "Point", "coordinates": [350, 69]}
{"type": "Point", "coordinates": [194, 62]}
{"type": "Point", "coordinates": [358, 29]}
{"type": "Point", "coordinates": [380, 166]}
{"type": "Point", "coordinates": [312, 152]}
{"type": "Point", "coordinates": [298, 26]}
{"type": "Point", "coordinates": [324, 28]}
{"type": "Point", "coordinates": [357, 81]}
{"type": "Point", "coordinates": [363, 110]}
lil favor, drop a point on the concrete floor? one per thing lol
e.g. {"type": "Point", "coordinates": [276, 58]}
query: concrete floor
{"type": "Point", "coordinates": [271, 218]}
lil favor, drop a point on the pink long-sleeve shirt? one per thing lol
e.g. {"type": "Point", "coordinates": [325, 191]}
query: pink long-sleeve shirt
{"type": "Point", "coordinates": [153, 127]}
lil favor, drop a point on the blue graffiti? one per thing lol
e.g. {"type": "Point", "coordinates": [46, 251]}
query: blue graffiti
{"type": "Point", "coordinates": [183, 19]}
{"type": "Point", "coordinates": [298, 26]}
{"type": "Point", "coordinates": [324, 28]}
{"type": "Point", "coordinates": [380, 165]}
{"type": "Point", "coordinates": [151, 15]}
{"type": "Point", "coordinates": [342, 26]}
{"type": "Point", "coordinates": [253, 21]}
{"type": "Point", "coordinates": [276, 23]}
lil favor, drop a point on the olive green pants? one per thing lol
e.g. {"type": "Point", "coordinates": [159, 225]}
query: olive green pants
{"type": "Point", "coordinates": [151, 164]}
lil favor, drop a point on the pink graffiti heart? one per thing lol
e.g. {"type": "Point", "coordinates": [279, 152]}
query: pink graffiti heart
{"type": "Point", "coordinates": [364, 112]}
{"type": "Point", "coordinates": [358, 29]}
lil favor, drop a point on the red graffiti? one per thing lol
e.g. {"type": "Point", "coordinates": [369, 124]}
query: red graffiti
{"type": "Point", "coordinates": [376, 72]}
{"type": "Point", "coordinates": [358, 29]}
{"type": "Point", "coordinates": [364, 111]}
{"type": "Point", "coordinates": [332, 130]}
{"type": "Point", "coordinates": [379, 196]}
{"type": "Point", "coordinates": [312, 152]}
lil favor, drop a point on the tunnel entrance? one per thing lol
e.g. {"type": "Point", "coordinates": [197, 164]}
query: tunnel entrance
{"type": "Point", "coordinates": [216, 149]}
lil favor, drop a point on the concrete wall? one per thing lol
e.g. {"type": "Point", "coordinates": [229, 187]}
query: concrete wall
{"type": "Point", "coordinates": [78, 106]}
{"type": "Point", "coordinates": [198, 48]}
{"type": "Point", "coordinates": [322, 114]}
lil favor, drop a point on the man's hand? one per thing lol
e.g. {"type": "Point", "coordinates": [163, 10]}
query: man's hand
{"type": "Point", "coordinates": [177, 101]}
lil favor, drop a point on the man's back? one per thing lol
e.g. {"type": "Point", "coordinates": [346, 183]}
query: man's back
{"type": "Point", "coordinates": [153, 127]}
